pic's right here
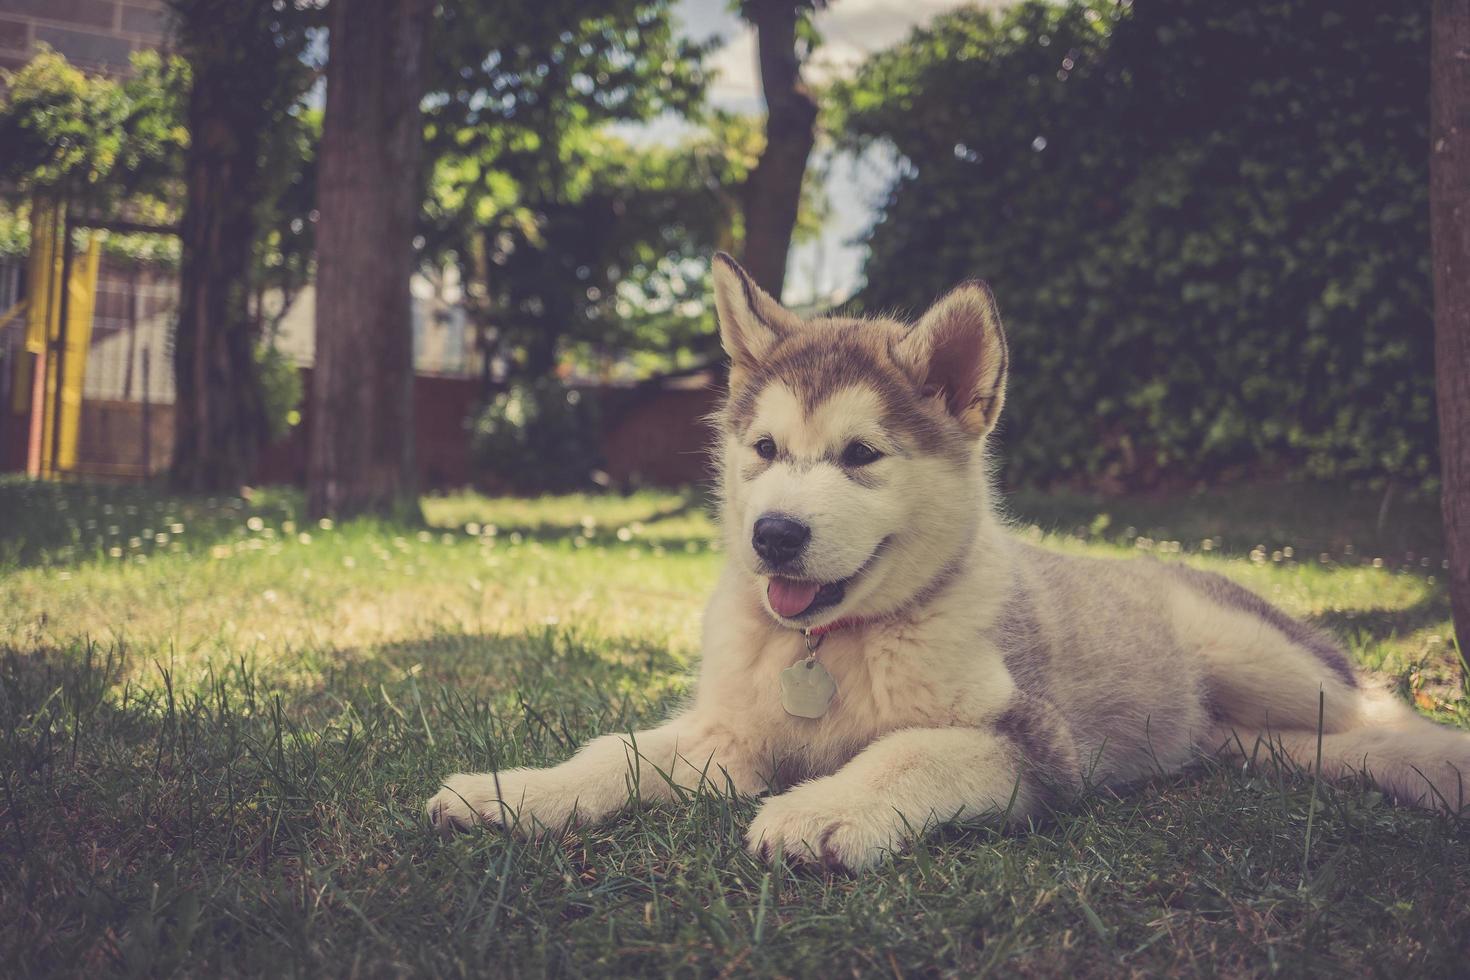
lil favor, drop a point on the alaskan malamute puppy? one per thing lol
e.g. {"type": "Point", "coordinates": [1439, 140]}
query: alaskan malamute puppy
{"type": "Point", "coordinates": [884, 655]}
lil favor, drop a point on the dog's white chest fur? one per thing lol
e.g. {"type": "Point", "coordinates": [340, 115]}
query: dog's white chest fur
{"type": "Point", "coordinates": [906, 672]}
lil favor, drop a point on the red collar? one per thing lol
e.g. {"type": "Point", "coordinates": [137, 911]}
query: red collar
{"type": "Point", "coordinates": [817, 634]}
{"type": "Point", "coordinates": [835, 625]}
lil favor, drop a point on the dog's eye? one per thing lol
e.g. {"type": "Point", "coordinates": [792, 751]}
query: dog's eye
{"type": "Point", "coordinates": [765, 448]}
{"type": "Point", "coordinates": [860, 454]}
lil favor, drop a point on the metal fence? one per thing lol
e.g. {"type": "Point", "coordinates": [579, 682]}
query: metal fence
{"type": "Point", "coordinates": [128, 390]}
{"type": "Point", "coordinates": [126, 424]}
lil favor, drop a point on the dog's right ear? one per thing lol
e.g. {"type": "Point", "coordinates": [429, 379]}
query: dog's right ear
{"type": "Point", "coordinates": [751, 322]}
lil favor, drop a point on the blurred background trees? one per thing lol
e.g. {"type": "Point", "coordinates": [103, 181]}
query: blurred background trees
{"type": "Point", "coordinates": [360, 453]}
{"type": "Point", "coordinates": [574, 243]}
{"type": "Point", "coordinates": [772, 193]}
{"type": "Point", "coordinates": [546, 212]}
{"type": "Point", "coordinates": [1205, 224]}
{"type": "Point", "coordinates": [94, 140]}
{"type": "Point", "coordinates": [247, 81]}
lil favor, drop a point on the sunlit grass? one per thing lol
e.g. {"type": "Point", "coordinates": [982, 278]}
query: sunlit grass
{"type": "Point", "coordinates": [220, 720]}
{"type": "Point", "coordinates": [258, 580]}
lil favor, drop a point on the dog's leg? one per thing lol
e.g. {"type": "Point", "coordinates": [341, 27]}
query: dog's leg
{"type": "Point", "coordinates": [1263, 669]}
{"type": "Point", "coordinates": [908, 782]}
{"type": "Point", "coordinates": [596, 782]}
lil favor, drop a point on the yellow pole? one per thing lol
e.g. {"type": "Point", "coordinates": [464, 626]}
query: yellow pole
{"type": "Point", "coordinates": [43, 285]}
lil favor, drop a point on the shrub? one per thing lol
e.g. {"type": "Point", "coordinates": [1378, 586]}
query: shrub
{"type": "Point", "coordinates": [281, 390]}
{"type": "Point", "coordinates": [537, 436]}
{"type": "Point", "coordinates": [1206, 225]}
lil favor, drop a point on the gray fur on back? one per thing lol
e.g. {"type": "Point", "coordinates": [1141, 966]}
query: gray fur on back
{"type": "Point", "coordinates": [1091, 637]}
{"type": "Point", "coordinates": [1094, 638]}
{"type": "Point", "coordinates": [1220, 589]}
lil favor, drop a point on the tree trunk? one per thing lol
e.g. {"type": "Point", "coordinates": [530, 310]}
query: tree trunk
{"type": "Point", "coordinates": [1449, 226]}
{"type": "Point", "coordinates": [219, 409]}
{"type": "Point", "coordinates": [368, 191]}
{"type": "Point", "coordinates": [541, 349]}
{"type": "Point", "coordinates": [773, 189]}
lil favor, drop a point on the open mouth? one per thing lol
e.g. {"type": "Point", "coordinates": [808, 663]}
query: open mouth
{"type": "Point", "coordinates": [793, 598]}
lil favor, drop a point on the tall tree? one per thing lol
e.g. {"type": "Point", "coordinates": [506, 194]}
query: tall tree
{"type": "Point", "coordinates": [610, 258]}
{"type": "Point", "coordinates": [547, 215]}
{"type": "Point", "coordinates": [245, 60]}
{"type": "Point", "coordinates": [361, 456]}
{"type": "Point", "coordinates": [1449, 229]}
{"type": "Point", "coordinates": [773, 189]}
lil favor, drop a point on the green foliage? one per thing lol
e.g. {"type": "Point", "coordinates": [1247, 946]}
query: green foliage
{"type": "Point", "coordinates": [100, 142]}
{"type": "Point", "coordinates": [15, 231]}
{"type": "Point", "coordinates": [1206, 225]}
{"type": "Point", "coordinates": [616, 259]}
{"type": "Point", "coordinates": [537, 436]}
{"type": "Point", "coordinates": [281, 389]}
{"type": "Point", "coordinates": [285, 248]}
{"type": "Point", "coordinates": [92, 137]}
{"type": "Point", "coordinates": [559, 227]}
{"type": "Point", "coordinates": [161, 251]}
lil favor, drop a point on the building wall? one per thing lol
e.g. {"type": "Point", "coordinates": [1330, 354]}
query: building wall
{"type": "Point", "coordinates": [132, 333]}
{"type": "Point", "coordinates": [443, 342]}
{"type": "Point", "coordinates": [124, 439]}
{"type": "Point", "coordinates": [98, 35]}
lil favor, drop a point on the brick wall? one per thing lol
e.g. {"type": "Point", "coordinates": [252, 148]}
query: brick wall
{"type": "Point", "coordinates": [657, 437]}
{"type": "Point", "coordinates": [441, 443]}
{"type": "Point", "coordinates": [94, 34]}
{"type": "Point", "coordinates": [650, 437]}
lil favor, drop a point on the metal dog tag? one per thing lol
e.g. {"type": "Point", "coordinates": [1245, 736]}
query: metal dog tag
{"type": "Point", "coordinates": [807, 689]}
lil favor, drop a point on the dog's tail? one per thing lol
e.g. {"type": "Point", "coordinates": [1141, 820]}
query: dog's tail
{"type": "Point", "coordinates": [1409, 757]}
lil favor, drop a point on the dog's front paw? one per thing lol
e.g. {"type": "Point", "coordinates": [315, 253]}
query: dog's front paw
{"type": "Point", "coordinates": [813, 827]}
{"type": "Point", "coordinates": [528, 801]}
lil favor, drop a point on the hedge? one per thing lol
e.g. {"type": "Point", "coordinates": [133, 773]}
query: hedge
{"type": "Point", "coordinates": [1206, 224]}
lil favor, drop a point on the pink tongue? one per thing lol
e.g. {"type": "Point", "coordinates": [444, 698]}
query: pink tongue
{"type": "Point", "coordinates": [789, 596]}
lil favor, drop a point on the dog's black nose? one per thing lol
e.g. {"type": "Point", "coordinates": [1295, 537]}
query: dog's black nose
{"type": "Point", "coordinates": [779, 539]}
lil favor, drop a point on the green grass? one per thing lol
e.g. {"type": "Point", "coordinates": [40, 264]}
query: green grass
{"type": "Point", "coordinates": [216, 746]}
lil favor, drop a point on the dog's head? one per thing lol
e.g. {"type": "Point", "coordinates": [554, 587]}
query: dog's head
{"type": "Point", "coordinates": [852, 450]}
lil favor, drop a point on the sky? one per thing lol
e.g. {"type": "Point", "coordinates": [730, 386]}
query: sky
{"type": "Point", "coordinates": [830, 267]}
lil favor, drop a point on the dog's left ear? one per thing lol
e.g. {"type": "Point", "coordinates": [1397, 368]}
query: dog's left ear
{"type": "Point", "coordinates": [957, 351]}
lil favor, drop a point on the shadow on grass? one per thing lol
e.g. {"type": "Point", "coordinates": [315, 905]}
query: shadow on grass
{"type": "Point", "coordinates": [1349, 525]}
{"type": "Point", "coordinates": [551, 681]}
{"type": "Point", "coordinates": [1376, 625]}
{"type": "Point", "coordinates": [691, 501]}
{"type": "Point", "coordinates": [62, 524]}
{"type": "Point", "coordinates": [102, 752]}
{"type": "Point", "coordinates": [255, 825]}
